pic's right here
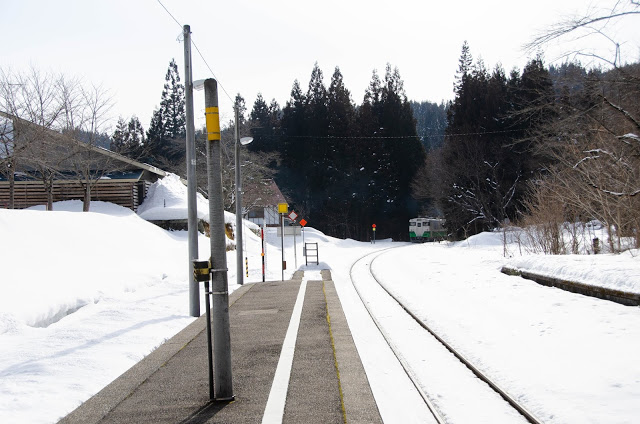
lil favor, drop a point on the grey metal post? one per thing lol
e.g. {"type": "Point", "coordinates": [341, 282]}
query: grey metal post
{"type": "Point", "coordinates": [209, 342]}
{"type": "Point", "coordinates": [295, 253]}
{"type": "Point", "coordinates": [220, 287]}
{"type": "Point", "coordinates": [192, 212]}
{"type": "Point", "coordinates": [282, 239]}
{"type": "Point", "coordinates": [239, 273]}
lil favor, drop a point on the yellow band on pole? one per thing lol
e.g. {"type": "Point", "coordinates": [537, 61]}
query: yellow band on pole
{"type": "Point", "coordinates": [213, 123]}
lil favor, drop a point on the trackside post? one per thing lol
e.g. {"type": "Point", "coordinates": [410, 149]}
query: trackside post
{"type": "Point", "coordinates": [223, 385]}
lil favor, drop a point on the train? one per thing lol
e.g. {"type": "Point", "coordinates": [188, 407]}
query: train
{"type": "Point", "coordinates": [427, 229]}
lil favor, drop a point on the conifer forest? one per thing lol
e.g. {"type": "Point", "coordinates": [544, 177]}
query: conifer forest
{"type": "Point", "coordinates": [539, 146]}
{"type": "Point", "coordinates": [546, 144]}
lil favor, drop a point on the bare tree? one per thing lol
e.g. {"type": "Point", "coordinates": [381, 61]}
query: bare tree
{"type": "Point", "coordinates": [596, 22]}
{"type": "Point", "coordinates": [56, 122]}
{"type": "Point", "coordinates": [28, 98]}
{"type": "Point", "coordinates": [7, 158]}
{"type": "Point", "coordinates": [255, 165]}
{"type": "Point", "coordinates": [85, 115]}
{"type": "Point", "coordinates": [593, 146]}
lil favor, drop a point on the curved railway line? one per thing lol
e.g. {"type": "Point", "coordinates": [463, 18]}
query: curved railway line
{"type": "Point", "coordinates": [439, 416]}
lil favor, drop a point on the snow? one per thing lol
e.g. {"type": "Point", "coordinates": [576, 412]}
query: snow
{"type": "Point", "coordinates": [619, 272]}
{"type": "Point", "coordinates": [568, 357]}
{"type": "Point", "coordinates": [86, 295]}
{"type": "Point", "coordinates": [167, 200]}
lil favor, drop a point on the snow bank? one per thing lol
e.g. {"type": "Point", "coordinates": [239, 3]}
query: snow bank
{"type": "Point", "coordinates": [167, 200]}
{"type": "Point", "coordinates": [41, 282]}
{"type": "Point", "coordinates": [619, 272]}
{"type": "Point", "coordinates": [614, 271]}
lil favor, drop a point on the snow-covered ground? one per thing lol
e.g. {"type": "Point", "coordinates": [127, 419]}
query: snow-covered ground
{"type": "Point", "coordinates": [84, 296]}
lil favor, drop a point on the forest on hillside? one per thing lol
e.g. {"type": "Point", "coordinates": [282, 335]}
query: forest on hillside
{"type": "Point", "coordinates": [541, 146]}
{"type": "Point", "coordinates": [506, 148]}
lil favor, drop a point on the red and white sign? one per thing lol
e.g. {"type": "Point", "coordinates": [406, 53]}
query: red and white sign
{"type": "Point", "coordinates": [293, 215]}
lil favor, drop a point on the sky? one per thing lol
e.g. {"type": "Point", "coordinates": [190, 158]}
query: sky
{"type": "Point", "coordinates": [254, 46]}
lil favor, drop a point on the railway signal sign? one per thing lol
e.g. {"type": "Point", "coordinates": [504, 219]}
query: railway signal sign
{"type": "Point", "coordinates": [374, 227]}
{"type": "Point", "coordinates": [293, 215]}
{"type": "Point", "coordinates": [303, 222]}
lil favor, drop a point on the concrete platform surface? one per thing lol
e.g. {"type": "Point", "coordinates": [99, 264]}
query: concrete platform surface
{"type": "Point", "coordinates": [293, 361]}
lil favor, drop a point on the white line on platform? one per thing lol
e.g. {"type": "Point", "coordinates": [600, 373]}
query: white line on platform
{"type": "Point", "coordinates": [274, 411]}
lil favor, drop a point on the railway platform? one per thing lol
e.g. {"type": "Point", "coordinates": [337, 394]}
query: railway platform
{"type": "Point", "coordinates": [293, 361]}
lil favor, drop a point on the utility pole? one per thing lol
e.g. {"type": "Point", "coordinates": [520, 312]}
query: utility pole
{"type": "Point", "coordinates": [220, 286]}
{"type": "Point", "coordinates": [239, 273]}
{"type": "Point", "coordinates": [284, 263]}
{"type": "Point", "coordinates": [192, 208]}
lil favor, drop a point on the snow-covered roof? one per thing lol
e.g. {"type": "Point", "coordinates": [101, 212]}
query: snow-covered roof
{"type": "Point", "coordinates": [167, 200]}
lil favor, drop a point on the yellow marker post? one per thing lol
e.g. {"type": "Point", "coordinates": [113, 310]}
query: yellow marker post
{"type": "Point", "coordinates": [212, 120]}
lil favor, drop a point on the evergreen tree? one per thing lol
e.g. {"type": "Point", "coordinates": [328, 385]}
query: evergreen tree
{"type": "Point", "coordinates": [155, 136]}
{"type": "Point", "coordinates": [465, 64]}
{"type": "Point", "coordinates": [173, 105]}
{"type": "Point", "coordinates": [316, 104]}
{"type": "Point", "coordinates": [347, 168]}
{"type": "Point", "coordinates": [346, 196]}
{"type": "Point", "coordinates": [239, 103]}
{"type": "Point", "coordinates": [167, 129]}
{"type": "Point", "coordinates": [136, 133]}
{"type": "Point", "coordinates": [316, 146]}
{"type": "Point", "coordinates": [431, 123]}
{"type": "Point", "coordinates": [118, 139]}
{"type": "Point", "coordinates": [260, 122]}
{"type": "Point", "coordinates": [128, 138]}
{"type": "Point", "coordinates": [275, 113]}
{"type": "Point", "coordinates": [485, 163]}
{"type": "Point", "coordinates": [294, 129]}
{"type": "Point", "coordinates": [402, 149]}
{"type": "Point", "coordinates": [260, 112]}
{"type": "Point", "coordinates": [340, 108]}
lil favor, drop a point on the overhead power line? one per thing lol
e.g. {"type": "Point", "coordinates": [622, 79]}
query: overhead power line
{"type": "Point", "coordinates": [395, 136]}
{"type": "Point", "coordinates": [198, 50]}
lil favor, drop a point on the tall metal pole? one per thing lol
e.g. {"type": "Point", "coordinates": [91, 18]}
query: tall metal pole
{"type": "Point", "coordinates": [295, 254]}
{"type": "Point", "coordinates": [209, 342]}
{"type": "Point", "coordinates": [282, 238]}
{"type": "Point", "coordinates": [192, 208]}
{"type": "Point", "coordinates": [220, 286]}
{"type": "Point", "coordinates": [263, 258]}
{"type": "Point", "coordinates": [239, 273]}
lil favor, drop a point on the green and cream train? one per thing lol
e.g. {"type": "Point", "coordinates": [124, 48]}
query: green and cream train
{"type": "Point", "coordinates": [427, 229]}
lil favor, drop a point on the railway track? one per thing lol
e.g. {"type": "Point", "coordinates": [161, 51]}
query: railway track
{"type": "Point", "coordinates": [366, 284]}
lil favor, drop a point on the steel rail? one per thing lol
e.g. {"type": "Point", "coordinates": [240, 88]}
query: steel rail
{"type": "Point", "coordinates": [405, 366]}
{"type": "Point", "coordinates": [503, 393]}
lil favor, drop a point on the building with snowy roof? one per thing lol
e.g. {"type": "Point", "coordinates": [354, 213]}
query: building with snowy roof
{"type": "Point", "coordinates": [51, 169]}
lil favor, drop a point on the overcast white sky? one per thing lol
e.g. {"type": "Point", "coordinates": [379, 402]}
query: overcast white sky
{"type": "Point", "coordinates": [263, 46]}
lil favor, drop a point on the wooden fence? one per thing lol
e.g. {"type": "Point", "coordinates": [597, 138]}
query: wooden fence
{"type": "Point", "coordinates": [30, 193]}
